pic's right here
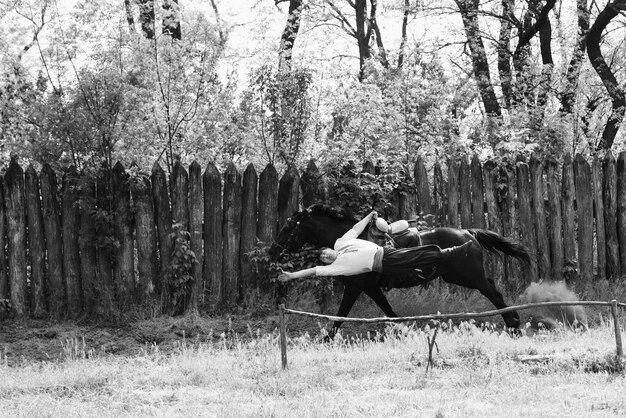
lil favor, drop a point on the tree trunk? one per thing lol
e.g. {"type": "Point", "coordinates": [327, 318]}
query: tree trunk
{"type": "Point", "coordinates": [568, 97]}
{"type": "Point", "coordinates": [606, 75]}
{"type": "Point", "coordinates": [362, 35]}
{"type": "Point", "coordinates": [480, 64]}
{"type": "Point", "coordinates": [405, 22]}
{"type": "Point", "coordinates": [288, 38]}
{"type": "Point", "coordinates": [504, 55]}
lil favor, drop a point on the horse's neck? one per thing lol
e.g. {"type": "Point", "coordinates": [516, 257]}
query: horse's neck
{"type": "Point", "coordinates": [329, 232]}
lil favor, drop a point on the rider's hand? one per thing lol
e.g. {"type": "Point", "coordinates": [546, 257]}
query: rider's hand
{"type": "Point", "coordinates": [374, 215]}
{"type": "Point", "coordinates": [284, 276]}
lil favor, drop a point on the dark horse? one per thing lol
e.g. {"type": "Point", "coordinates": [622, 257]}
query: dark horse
{"type": "Point", "coordinates": [322, 225]}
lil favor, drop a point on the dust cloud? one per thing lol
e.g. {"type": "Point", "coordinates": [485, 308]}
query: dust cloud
{"type": "Point", "coordinates": [555, 316]}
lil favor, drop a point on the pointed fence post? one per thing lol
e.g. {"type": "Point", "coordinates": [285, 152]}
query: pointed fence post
{"type": "Point", "coordinates": [609, 192]}
{"type": "Point", "coordinates": [196, 217]}
{"type": "Point", "coordinates": [213, 244]}
{"type": "Point", "coordinates": [232, 235]}
{"type": "Point", "coordinates": [16, 232]}
{"type": "Point", "coordinates": [71, 256]}
{"type": "Point", "coordinates": [596, 184]}
{"type": "Point", "coordinates": [618, 332]}
{"type": "Point", "coordinates": [584, 216]}
{"type": "Point", "coordinates": [570, 260]}
{"type": "Point", "coordinates": [248, 231]}
{"type": "Point", "coordinates": [36, 244]}
{"type": "Point", "coordinates": [283, 336]}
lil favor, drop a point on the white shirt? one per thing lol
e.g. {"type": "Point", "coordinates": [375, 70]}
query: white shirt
{"type": "Point", "coordinates": [355, 256]}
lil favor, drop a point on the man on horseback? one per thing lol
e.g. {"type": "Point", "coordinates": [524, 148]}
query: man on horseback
{"type": "Point", "coordinates": [353, 256]}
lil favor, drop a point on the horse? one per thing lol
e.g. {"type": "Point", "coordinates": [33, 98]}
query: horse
{"type": "Point", "coordinates": [322, 225]}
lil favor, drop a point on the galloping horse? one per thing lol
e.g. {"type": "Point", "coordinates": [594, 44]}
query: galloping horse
{"type": "Point", "coordinates": [322, 225]}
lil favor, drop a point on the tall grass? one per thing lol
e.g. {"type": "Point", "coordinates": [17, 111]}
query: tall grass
{"type": "Point", "coordinates": [476, 372]}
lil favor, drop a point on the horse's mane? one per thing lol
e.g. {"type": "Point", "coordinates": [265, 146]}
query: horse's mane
{"type": "Point", "coordinates": [335, 212]}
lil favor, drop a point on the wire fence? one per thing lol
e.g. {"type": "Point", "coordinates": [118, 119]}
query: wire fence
{"type": "Point", "coordinates": [613, 305]}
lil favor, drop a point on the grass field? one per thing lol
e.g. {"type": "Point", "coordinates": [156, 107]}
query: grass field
{"type": "Point", "coordinates": [476, 372]}
{"type": "Point", "coordinates": [230, 366]}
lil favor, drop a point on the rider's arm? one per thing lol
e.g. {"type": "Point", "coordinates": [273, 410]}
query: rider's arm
{"type": "Point", "coordinates": [286, 276]}
{"type": "Point", "coordinates": [398, 226]}
{"type": "Point", "coordinates": [360, 226]}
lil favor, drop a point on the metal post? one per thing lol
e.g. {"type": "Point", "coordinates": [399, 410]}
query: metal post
{"type": "Point", "coordinates": [618, 332]}
{"type": "Point", "coordinates": [283, 336]}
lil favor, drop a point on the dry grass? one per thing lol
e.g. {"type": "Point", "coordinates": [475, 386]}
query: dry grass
{"type": "Point", "coordinates": [476, 373]}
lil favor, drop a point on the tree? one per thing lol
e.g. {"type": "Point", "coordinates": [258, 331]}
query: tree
{"type": "Point", "coordinates": [610, 11]}
{"type": "Point", "coordinates": [480, 63]}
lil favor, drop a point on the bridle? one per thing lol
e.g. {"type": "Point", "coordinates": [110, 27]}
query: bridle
{"type": "Point", "coordinates": [294, 224]}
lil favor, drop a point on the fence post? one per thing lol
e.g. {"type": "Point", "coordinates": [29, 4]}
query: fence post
{"type": "Point", "coordinates": [570, 261]}
{"type": "Point", "coordinates": [609, 192]}
{"type": "Point", "coordinates": [283, 336]}
{"type": "Point", "coordinates": [618, 332]}
{"type": "Point", "coordinates": [196, 218]}
{"type": "Point", "coordinates": [16, 232]}
{"type": "Point", "coordinates": [439, 196]}
{"type": "Point", "coordinates": [621, 208]}
{"type": "Point", "coordinates": [163, 217]}
{"type": "Point", "coordinates": [453, 193]}
{"type": "Point", "coordinates": [213, 245]}
{"type": "Point", "coordinates": [268, 205]}
{"type": "Point", "coordinates": [584, 216]}
{"type": "Point", "coordinates": [232, 235]}
{"type": "Point", "coordinates": [124, 263]}
{"type": "Point", "coordinates": [87, 242]}
{"type": "Point", "coordinates": [71, 257]}
{"type": "Point", "coordinates": [527, 226]}
{"type": "Point", "coordinates": [54, 244]}
{"type": "Point", "coordinates": [248, 230]}
{"type": "Point", "coordinates": [596, 184]}
{"type": "Point", "coordinates": [539, 217]}
{"type": "Point", "coordinates": [4, 278]}
{"type": "Point", "coordinates": [478, 200]}
{"type": "Point", "coordinates": [554, 210]}
{"type": "Point", "coordinates": [36, 249]}
{"type": "Point", "coordinates": [145, 233]}
{"type": "Point", "coordinates": [420, 176]}
{"type": "Point", "coordinates": [465, 194]}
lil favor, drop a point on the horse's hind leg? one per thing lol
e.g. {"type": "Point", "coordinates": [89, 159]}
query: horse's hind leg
{"type": "Point", "coordinates": [350, 294]}
{"type": "Point", "coordinates": [489, 290]}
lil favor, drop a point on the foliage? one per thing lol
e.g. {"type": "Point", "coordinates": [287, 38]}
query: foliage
{"type": "Point", "coordinates": [179, 275]}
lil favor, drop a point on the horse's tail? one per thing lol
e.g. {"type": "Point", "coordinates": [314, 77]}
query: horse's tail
{"type": "Point", "coordinates": [495, 242]}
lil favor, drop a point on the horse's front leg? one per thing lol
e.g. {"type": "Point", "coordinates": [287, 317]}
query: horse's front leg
{"type": "Point", "coordinates": [350, 293]}
{"type": "Point", "coordinates": [377, 295]}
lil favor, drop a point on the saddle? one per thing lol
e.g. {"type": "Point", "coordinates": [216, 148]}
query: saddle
{"type": "Point", "coordinates": [404, 238]}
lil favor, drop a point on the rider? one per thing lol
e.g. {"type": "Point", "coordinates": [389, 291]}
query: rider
{"type": "Point", "coordinates": [352, 256]}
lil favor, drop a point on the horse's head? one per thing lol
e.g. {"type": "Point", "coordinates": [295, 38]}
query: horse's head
{"type": "Point", "coordinates": [293, 235]}
{"type": "Point", "coordinates": [319, 225]}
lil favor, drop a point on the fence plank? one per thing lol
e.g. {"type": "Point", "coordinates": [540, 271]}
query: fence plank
{"type": "Point", "coordinates": [213, 243]}
{"type": "Point", "coordinates": [248, 230]}
{"type": "Point", "coordinates": [87, 242]}
{"type": "Point", "coordinates": [163, 217]}
{"type": "Point", "coordinates": [288, 195]}
{"type": "Point", "coordinates": [146, 237]}
{"type": "Point", "coordinates": [440, 197]}
{"type": "Point", "coordinates": [539, 217]}
{"type": "Point", "coordinates": [526, 224]}
{"type": "Point", "coordinates": [609, 192]}
{"type": "Point", "coordinates": [16, 231]}
{"type": "Point", "coordinates": [231, 234]}
{"type": "Point", "coordinates": [598, 202]}
{"type": "Point", "coordinates": [424, 204]}
{"type": "Point", "coordinates": [268, 205]}
{"type": "Point", "coordinates": [465, 193]}
{"type": "Point", "coordinates": [312, 185]}
{"type": "Point", "coordinates": [495, 267]}
{"type": "Point", "coordinates": [407, 198]}
{"type": "Point", "coordinates": [554, 214]}
{"type": "Point", "coordinates": [105, 243]}
{"type": "Point", "coordinates": [54, 244]}
{"type": "Point", "coordinates": [478, 200]}
{"type": "Point", "coordinates": [71, 259]}
{"type": "Point", "coordinates": [123, 263]}
{"type": "Point", "coordinates": [180, 192]}
{"type": "Point", "coordinates": [584, 217]}
{"type": "Point", "coordinates": [196, 218]}
{"type": "Point", "coordinates": [453, 193]}
{"type": "Point", "coordinates": [570, 261]}
{"type": "Point", "coordinates": [36, 244]}
{"type": "Point", "coordinates": [4, 277]}
{"type": "Point", "coordinates": [621, 208]}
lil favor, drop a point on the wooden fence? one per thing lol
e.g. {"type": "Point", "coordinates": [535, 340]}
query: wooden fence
{"type": "Point", "coordinates": [74, 242]}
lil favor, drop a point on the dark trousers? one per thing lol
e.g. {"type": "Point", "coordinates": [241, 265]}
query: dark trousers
{"type": "Point", "coordinates": [401, 259]}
